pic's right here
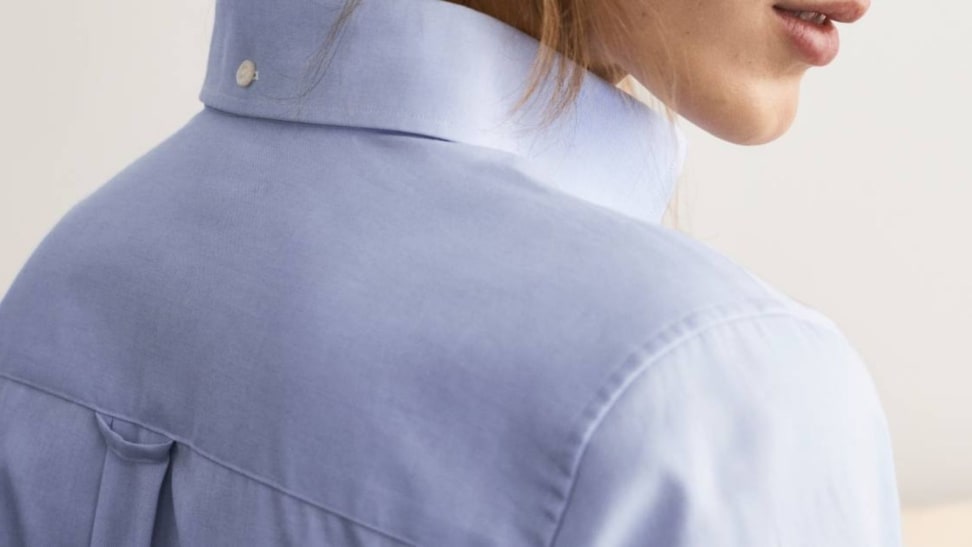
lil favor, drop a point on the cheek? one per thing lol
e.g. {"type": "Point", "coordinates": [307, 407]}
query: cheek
{"type": "Point", "coordinates": [741, 38]}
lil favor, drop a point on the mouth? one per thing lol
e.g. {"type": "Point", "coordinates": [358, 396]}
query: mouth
{"type": "Point", "coordinates": [809, 24]}
{"type": "Point", "coordinates": [842, 11]}
{"type": "Point", "coordinates": [812, 34]}
{"type": "Point", "coordinates": [815, 17]}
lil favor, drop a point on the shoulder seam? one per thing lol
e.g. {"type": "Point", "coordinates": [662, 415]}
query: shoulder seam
{"type": "Point", "coordinates": [665, 340]}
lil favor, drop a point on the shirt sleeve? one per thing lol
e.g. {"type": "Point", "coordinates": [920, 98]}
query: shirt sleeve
{"type": "Point", "coordinates": [765, 431]}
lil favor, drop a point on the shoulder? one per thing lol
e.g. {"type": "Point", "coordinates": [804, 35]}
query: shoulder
{"type": "Point", "coordinates": [725, 407]}
{"type": "Point", "coordinates": [646, 282]}
{"type": "Point", "coordinates": [765, 427]}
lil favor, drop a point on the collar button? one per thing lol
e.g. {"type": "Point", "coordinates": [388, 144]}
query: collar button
{"type": "Point", "coordinates": [246, 73]}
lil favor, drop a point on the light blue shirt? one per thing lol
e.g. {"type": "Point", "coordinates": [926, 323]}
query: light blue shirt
{"type": "Point", "coordinates": [392, 317]}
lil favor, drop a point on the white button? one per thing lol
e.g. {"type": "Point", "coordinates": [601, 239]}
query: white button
{"type": "Point", "coordinates": [246, 73]}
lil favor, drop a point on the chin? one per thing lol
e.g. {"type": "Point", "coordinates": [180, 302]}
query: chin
{"type": "Point", "coordinates": [749, 118]}
{"type": "Point", "coordinates": [756, 132]}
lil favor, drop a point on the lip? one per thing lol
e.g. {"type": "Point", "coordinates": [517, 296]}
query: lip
{"type": "Point", "coordinates": [817, 44]}
{"type": "Point", "coordinates": [843, 11]}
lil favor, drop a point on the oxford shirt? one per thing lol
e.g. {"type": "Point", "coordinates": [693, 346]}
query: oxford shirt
{"type": "Point", "coordinates": [372, 309]}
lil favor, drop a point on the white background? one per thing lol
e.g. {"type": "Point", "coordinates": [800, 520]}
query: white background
{"type": "Point", "coordinates": [861, 210]}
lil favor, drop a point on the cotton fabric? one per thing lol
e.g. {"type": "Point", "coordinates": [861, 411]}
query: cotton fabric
{"type": "Point", "coordinates": [378, 311]}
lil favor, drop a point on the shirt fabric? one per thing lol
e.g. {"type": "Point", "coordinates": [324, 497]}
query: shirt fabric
{"type": "Point", "coordinates": [379, 312]}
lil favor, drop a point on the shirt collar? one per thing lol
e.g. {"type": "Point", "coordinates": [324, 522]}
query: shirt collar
{"type": "Point", "coordinates": [442, 70]}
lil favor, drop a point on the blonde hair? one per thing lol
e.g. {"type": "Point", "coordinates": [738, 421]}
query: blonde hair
{"type": "Point", "coordinates": [567, 27]}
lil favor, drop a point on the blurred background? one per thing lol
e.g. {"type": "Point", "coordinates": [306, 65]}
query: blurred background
{"type": "Point", "coordinates": [862, 210]}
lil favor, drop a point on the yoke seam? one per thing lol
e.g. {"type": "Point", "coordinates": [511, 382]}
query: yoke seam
{"type": "Point", "coordinates": [181, 440]}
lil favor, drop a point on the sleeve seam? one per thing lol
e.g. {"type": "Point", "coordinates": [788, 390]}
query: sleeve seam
{"type": "Point", "coordinates": [674, 335]}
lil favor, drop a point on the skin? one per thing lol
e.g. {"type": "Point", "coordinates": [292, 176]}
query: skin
{"type": "Point", "coordinates": [728, 66]}
{"type": "Point", "coordinates": [731, 69]}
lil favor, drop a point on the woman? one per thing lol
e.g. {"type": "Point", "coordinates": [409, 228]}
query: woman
{"type": "Point", "coordinates": [371, 295]}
